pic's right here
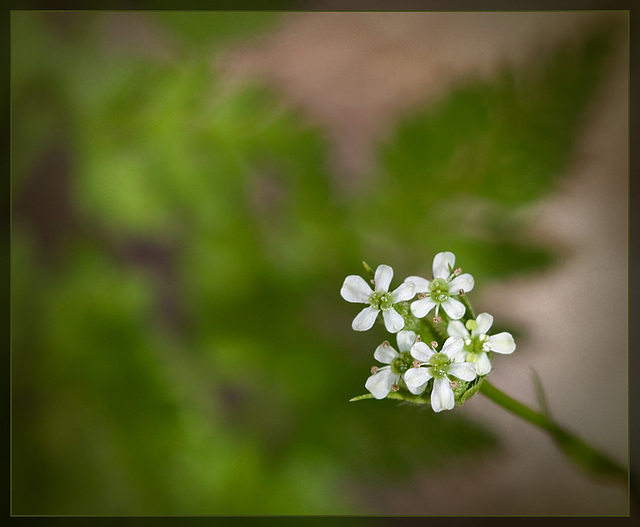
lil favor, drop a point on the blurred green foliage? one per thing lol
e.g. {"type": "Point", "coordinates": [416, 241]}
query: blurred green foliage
{"type": "Point", "coordinates": [470, 163]}
{"type": "Point", "coordinates": [181, 347]}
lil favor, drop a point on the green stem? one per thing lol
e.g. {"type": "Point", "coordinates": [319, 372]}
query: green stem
{"type": "Point", "coordinates": [576, 449]}
{"type": "Point", "coordinates": [465, 301]}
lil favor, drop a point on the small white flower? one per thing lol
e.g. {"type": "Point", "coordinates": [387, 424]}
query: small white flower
{"type": "Point", "coordinates": [439, 366]}
{"type": "Point", "coordinates": [356, 289]}
{"type": "Point", "coordinates": [382, 381]}
{"type": "Point", "coordinates": [478, 343]}
{"type": "Point", "coordinates": [438, 292]}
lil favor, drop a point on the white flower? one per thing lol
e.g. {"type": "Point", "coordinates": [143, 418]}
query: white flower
{"type": "Point", "coordinates": [439, 366]}
{"type": "Point", "coordinates": [440, 291]}
{"type": "Point", "coordinates": [478, 343]}
{"type": "Point", "coordinates": [382, 381]}
{"type": "Point", "coordinates": [355, 289]}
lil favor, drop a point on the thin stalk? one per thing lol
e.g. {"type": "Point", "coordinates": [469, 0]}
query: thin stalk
{"type": "Point", "coordinates": [575, 448]}
{"type": "Point", "coordinates": [465, 301]}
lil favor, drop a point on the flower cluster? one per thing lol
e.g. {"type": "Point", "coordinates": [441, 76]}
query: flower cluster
{"type": "Point", "coordinates": [419, 372]}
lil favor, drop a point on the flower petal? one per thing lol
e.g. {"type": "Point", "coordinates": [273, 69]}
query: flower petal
{"type": "Point", "coordinates": [416, 379]}
{"type": "Point", "coordinates": [442, 395]}
{"type": "Point", "coordinates": [464, 281]}
{"type": "Point", "coordinates": [452, 346]}
{"type": "Point", "coordinates": [484, 321]}
{"type": "Point", "coordinates": [465, 371]}
{"type": "Point", "coordinates": [502, 343]}
{"type": "Point", "coordinates": [422, 285]}
{"type": "Point", "coordinates": [421, 351]}
{"type": "Point", "coordinates": [461, 356]}
{"type": "Point", "coordinates": [406, 291]}
{"type": "Point", "coordinates": [457, 329]}
{"type": "Point", "coordinates": [385, 354]}
{"type": "Point", "coordinates": [365, 319]}
{"type": "Point", "coordinates": [393, 320]}
{"type": "Point", "coordinates": [421, 308]}
{"type": "Point", "coordinates": [356, 289]}
{"type": "Point", "coordinates": [483, 364]}
{"type": "Point", "coordinates": [454, 308]}
{"type": "Point", "coordinates": [379, 384]}
{"type": "Point", "coordinates": [383, 277]}
{"type": "Point", "coordinates": [443, 264]}
{"type": "Point", "coordinates": [405, 339]}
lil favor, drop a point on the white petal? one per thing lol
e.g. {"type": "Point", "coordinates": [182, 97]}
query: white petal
{"type": "Point", "coordinates": [464, 281]}
{"type": "Point", "coordinates": [465, 371]}
{"type": "Point", "coordinates": [460, 356]}
{"type": "Point", "coordinates": [484, 321]}
{"type": "Point", "coordinates": [452, 346]}
{"type": "Point", "coordinates": [453, 308]}
{"type": "Point", "coordinates": [356, 289]}
{"type": "Point", "coordinates": [380, 383]}
{"type": "Point", "coordinates": [421, 351]}
{"type": "Point", "coordinates": [385, 354]}
{"type": "Point", "coordinates": [502, 343]}
{"type": "Point", "coordinates": [406, 339]}
{"type": "Point", "coordinates": [416, 378]}
{"type": "Point", "coordinates": [483, 364]}
{"type": "Point", "coordinates": [421, 308]}
{"type": "Point", "coordinates": [383, 277]}
{"type": "Point", "coordinates": [393, 320]}
{"type": "Point", "coordinates": [406, 291]}
{"type": "Point", "coordinates": [422, 285]}
{"type": "Point", "coordinates": [457, 329]}
{"type": "Point", "coordinates": [443, 265]}
{"type": "Point", "coordinates": [365, 319]}
{"type": "Point", "coordinates": [442, 395]}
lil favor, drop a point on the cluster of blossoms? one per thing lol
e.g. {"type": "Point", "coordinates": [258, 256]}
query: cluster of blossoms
{"type": "Point", "coordinates": [419, 370]}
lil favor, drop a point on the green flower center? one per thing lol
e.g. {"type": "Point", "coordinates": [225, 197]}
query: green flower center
{"type": "Point", "coordinates": [402, 363]}
{"type": "Point", "coordinates": [439, 290]}
{"type": "Point", "coordinates": [439, 365]}
{"type": "Point", "coordinates": [476, 344]}
{"type": "Point", "coordinates": [381, 300]}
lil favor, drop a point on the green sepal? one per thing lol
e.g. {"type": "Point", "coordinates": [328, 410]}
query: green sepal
{"type": "Point", "coordinates": [368, 270]}
{"type": "Point", "coordinates": [361, 397]}
{"type": "Point", "coordinates": [471, 390]}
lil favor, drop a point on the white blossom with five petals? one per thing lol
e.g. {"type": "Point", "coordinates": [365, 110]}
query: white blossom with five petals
{"type": "Point", "coordinates": [438, 292]}
{"type": "Point", "coordinates": [439, 366]}
{"type": "Point", "coordinates": [477, 343]}
{"type": "Point", "coordinates": [355, 289]}
{"type": "Point", "coordinates": [383, 379]}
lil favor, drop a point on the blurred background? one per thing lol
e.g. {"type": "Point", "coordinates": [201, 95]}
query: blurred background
{"type": "Point", "coordinates": [189, 191]}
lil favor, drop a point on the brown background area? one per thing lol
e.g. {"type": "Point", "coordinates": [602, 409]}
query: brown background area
{"type": "Point", "coordinates": [356, 73]}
